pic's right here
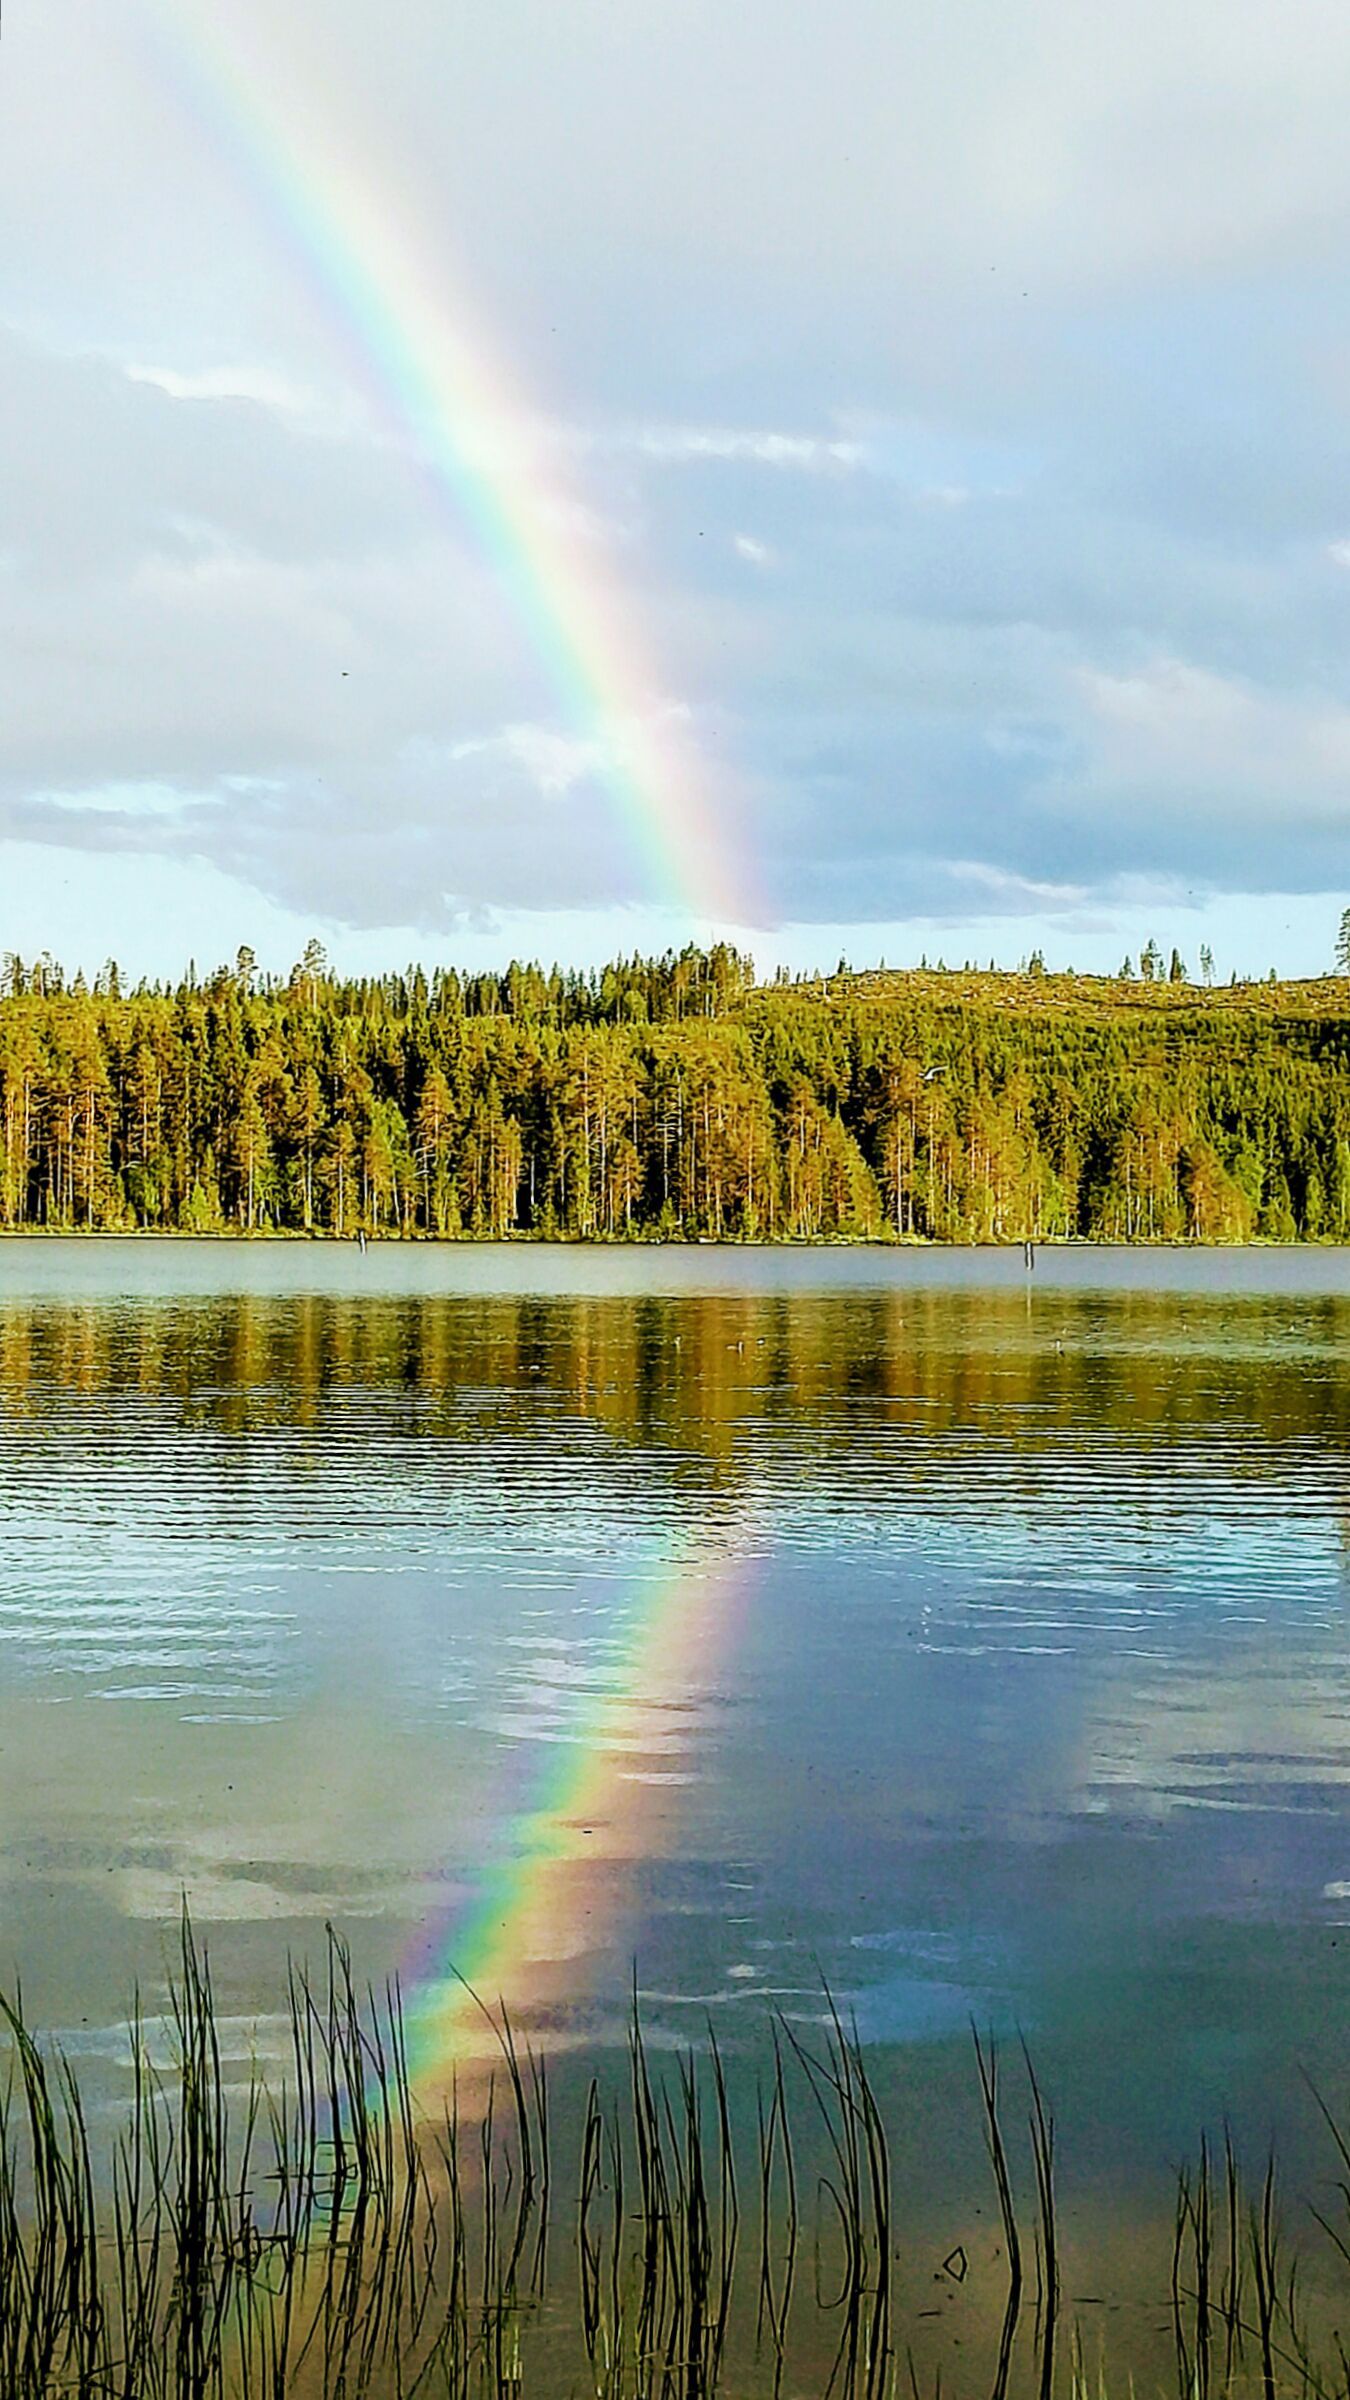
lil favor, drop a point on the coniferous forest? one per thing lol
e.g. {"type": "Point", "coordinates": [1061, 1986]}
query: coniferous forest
{"type": "Point", "coordinates": [675, 1098]}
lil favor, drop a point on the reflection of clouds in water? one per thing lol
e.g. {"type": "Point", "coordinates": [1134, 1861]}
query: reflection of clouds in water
{"type": "Point", "coordinates": [921, 1985]}
{"type": "Point", "coordinates": [220, 1894]}
{"type": "Point", "coordinates": [150, 1642]}
{"type": "Point", "coordinates": [1129, 1562]}
{"type": "Point", "coordinates": [1140, 1550]}
{"type": "Point", "coordinates": [1275, 1734]}
{"type": "Point", "coordinates": [264, 2040]}
{"type": "Point", "coordinates": [988, 1587]}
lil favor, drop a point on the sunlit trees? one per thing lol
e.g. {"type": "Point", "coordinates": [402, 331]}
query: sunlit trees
{"type": "Point", "coordinates": [306, 1126]}
{"type": "Point", "coordinates": [672, 1097]}
{"type": "Point", "coordinates": [20, 1072]}
{"type": "Point", "coordinates": [601, 1095]}
{"type": "Point", "coordinates": [490, 1166]}
{"type": "Point", "coordinates": [897, 1138]}
{"type": "Point", "coordinates": [1217, 1208]}
{"type": "Point", "coordinates": [828, 1187]}
{"type": "Point", "coordinates": [251, 1154]}
{"type": "Point", "coordinates": [142, 1141]}
{"type": "Point", "coordinates": [433, 1150]}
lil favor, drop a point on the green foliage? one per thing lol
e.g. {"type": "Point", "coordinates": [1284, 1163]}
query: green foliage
{"type": "Point", "coordinates": [674, 1097]}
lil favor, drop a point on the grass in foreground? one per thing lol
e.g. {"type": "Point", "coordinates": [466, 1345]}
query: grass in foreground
{"type": "Point", "coordinates": [321, 2235]}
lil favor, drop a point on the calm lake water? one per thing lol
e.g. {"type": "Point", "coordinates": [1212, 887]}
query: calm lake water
{"type": "Point", "coordinates": [974, 1638]}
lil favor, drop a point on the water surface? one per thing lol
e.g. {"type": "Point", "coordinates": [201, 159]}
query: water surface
{"type": "Point", "coordinates": [974, 1638]}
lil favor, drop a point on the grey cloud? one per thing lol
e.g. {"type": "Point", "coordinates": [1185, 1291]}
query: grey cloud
{"type": "Point", "coordinates": [103, 469]}
{"type": "Point", "coordinates": [442, 844]}
{"type": "Point", "coordinates": [192, 589]}
{"type": "Point", "coordinates": [958, 397]}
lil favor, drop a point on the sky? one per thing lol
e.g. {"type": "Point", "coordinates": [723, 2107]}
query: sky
{"type": "Point", "coordinates": [555, 477]}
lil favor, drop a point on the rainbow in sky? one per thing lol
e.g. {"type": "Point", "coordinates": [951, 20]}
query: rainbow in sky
{"type": "Point", "coordinates": [557, 1893]}
{"type": "Point", "coordinates": [563, 1871]}
{"type": "Point", "coordinates": [433, 371]}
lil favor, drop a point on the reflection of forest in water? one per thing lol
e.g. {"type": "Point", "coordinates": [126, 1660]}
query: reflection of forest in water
{"type": "Point", "coordinates": [894, 1400]}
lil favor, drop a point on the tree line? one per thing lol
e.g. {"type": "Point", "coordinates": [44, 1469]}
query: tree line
{"type": "Point", "coordinates": [673, 1098]}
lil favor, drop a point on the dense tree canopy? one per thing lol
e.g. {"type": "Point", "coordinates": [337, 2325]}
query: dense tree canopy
{"type": "Point", "coordinates": [675, 1097]}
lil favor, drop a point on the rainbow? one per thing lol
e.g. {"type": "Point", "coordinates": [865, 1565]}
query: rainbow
{"type": "Point", "coordinates": [449, 400]}
{"type": "Point", "coordinates": [551, 1898]}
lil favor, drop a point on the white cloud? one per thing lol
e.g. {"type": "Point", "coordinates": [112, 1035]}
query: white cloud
{"type": "Point", "coordinates": [811, 454]}
{"type": "Point", "coordinates": [554, 762]}
{"type": "Point", "coordinates": [1010, 891]}
{"type": "Point", "coordinates": [263, 385]}
{"type": "Point", "coordinates": [755, 553]}
{"type": "Point", "coordinates": [1216, 740]}
{"type": "Point", "coordinates": [146, 801]}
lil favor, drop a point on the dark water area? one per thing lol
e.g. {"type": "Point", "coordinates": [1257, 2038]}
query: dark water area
{"type": "Point", "coordinates": [972, 1638]}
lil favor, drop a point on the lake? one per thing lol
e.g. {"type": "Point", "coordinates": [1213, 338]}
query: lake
{"type": "Point", "coordinates": [969, 1637]}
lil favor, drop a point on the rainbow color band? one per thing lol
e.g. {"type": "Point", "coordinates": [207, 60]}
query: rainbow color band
{"type": "Point", "coordinates": [565, 1865]}
{"type": "Point", "coordinates": [437, 379]}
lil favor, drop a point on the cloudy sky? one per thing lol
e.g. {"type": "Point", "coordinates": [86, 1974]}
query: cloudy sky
{"type": "Point", "coordinates": [949, 406]}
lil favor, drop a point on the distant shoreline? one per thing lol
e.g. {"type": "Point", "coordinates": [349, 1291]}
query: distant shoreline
{"type": "Point", "coordinates": [292, 1237]}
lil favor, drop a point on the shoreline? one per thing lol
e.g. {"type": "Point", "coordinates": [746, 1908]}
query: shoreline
{"type": "Point", "coordinates": [292, 1237]}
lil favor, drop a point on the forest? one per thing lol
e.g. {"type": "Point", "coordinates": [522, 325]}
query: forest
{"type": "Point", "coordinates": [675, 1099]}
